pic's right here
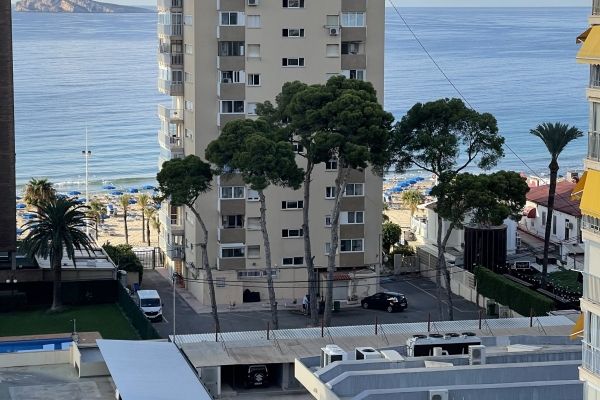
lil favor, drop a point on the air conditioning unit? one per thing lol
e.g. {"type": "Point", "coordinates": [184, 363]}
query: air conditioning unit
{"type": "Point", "coordinates": [438, 394]}
{"type": "Point", "coordinates": [477, 355]}
{"type": "Point", "coordinates": [253, 3]}
{"type": "Point", "coordinates": [226, 80]}
{"type": "Point", "coordinates": [334, 31]}
{"type": "Point", "coordinates": [366, 353]}
{"type": "Point", "coordinates": [332, 353]}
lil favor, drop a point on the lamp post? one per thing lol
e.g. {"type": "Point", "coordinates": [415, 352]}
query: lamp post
{"type": "Point", "coordinates": [175, 276]}
{"type": "Point", "coordinates": [86, 154]}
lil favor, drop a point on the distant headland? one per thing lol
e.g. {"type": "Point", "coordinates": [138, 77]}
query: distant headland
{"type": "Point", "coordinates": [75, 6]}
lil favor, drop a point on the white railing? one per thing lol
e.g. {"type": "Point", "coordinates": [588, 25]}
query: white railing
{"type": "Point", "coordinates": [590, 358]}
{"type": "Point", "coordinates": [596, 7]}
{"type": "Point", "coordinates": [170, 142]}
{"type": "Point", "coordinates": [167, 58]}
{"type": "Point", "coordinates": [170, 88]}
{"type": "Point", "coordinates": [168, 4]}
{"type": "Point", "coordinates": [170, 113]}
{"type": "Point", "coordinates": [170, 29]}
{"type": "Point", "coordinates": [591, 287]}
{"type": "Point", "coordinates": [594, 146]}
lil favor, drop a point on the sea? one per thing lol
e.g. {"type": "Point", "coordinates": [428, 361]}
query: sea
{"type": "Point", "coordinates": [97, 73]}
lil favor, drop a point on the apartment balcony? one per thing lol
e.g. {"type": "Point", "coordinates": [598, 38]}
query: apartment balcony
{"type": "Point", "coordinates": [590, 357]}
{"type": "Point", "coordinates": [171, 115]}
{"type": "Point", "coordinates": [594, 146]}
{"type": "Point", "coordinates": [170, 88]}
{"type": "Point", "coordinates": [591, 287]}
{"type": "Point", "coordinates": [170, 5]}
{"type": "Point", "coordinates": [171, 59]}
{"type": "Point", "coordinates": [172, 223]}
{"type": "Point", "coordinates": [175, 252]}
{"type": "Point", "coordinates": [231, 235]}
{"type": "Point", "coordinates": [174, 31]}
{"type": "Point", "coordinates": [170, 142]}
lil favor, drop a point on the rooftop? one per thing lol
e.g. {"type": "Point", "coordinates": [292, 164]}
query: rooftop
{"type": "Point", "coordinates": [562, 200]}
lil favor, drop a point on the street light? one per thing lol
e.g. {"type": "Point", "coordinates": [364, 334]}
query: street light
{"type": "Point", "coordinates": [12, 280]}
{"type": "Point", "coordinates": [175, 275]}
{"type": "Point", "coordinates": [86, 154]}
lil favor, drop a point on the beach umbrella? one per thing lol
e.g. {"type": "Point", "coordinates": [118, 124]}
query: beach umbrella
{"type": "Point", "coordinates": [419, 178]}
{"type": "Point", "coordinates": [81, 200]}
{"type": "Point", "coordinates": [109, 187]}
{"type": "Point", "coordinates": [19, 231]}
{"type": "Point", "coordinates": [116, 193]}
{"type": "Point", "coordinates": [21, 206]}
{"type": "Point", "coordinates": [412, 181]}
{"type": "Point", "coordinates": [132, 201]}
{"type": "Point", "coordinates": [28, 216]}
{"type": "Point", "coordinates": [61, 196]}
{"type": "Point", "coordinates": [405, 185]}
{"type": "Point", "coordinates": [74, 193]}
{"type": "Point", "coordinates": [132, 190]}
{"type": "Point", "coordinates": [148, 187]}
{"type": "Point", "coordinates": [18, 198]}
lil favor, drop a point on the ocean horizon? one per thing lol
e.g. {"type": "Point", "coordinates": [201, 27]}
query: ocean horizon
{"type": "Point", "coordinates": [98, 71]}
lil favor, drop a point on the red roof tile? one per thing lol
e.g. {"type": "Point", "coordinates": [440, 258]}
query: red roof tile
{"type": "Point", "coordinates": [562, 200]}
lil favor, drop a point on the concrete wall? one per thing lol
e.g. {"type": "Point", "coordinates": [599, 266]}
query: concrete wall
{"type": "Point", "coordinates": [25, 359]}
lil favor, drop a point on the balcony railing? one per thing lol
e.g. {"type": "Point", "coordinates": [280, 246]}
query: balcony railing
{"type": "Point", "coordinates": [170, 142]}
{"type": "Point", "coordinates": [594, 146]}
{"type": "Point", "coordinates": [591, 287]}
{"type": "Point", "coordinates": [169, 4]}
{"type": "Point", "coordinates": [171, 59]}
{"type": "Point", "coordinates": [170, 114]}
{"type": "Point", "coordinates": [170, 29]}
{"type": "Point", "coordinates": [596, 7]}
{"type": "Point", "coordinates": [595, 76]}
{"type": "Point", "coordinates": [170, 88]}
{"type": "Point", "coordinates": [590, 358]}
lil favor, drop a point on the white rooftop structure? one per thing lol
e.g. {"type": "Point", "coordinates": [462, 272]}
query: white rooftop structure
{"type": "Point", "coordinates": [147, 370]}
{"type": "Point", "coordinates": [95, 259]}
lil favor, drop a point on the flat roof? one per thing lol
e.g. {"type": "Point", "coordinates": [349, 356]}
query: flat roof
{"type": "Point", "coordinates": [96, 259]}
{"type": "Point", "coordinates": [149, 370]}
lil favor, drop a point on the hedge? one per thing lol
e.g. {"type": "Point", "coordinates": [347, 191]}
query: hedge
{"type": "Point", "coordinates": [511, 294]}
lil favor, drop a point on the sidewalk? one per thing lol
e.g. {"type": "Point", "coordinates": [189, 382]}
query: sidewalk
{"type": "Point", "coordinates": [199, 308]}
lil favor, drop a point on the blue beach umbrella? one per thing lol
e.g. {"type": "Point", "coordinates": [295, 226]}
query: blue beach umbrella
{"type": "Point", "coordinates": [19, 231]}
{"type": "Point", "coordinates": [419, 178]}
{"type": "Point", "coordinates": [132, 201]}
{"type": "Point", "coordinates": [412, 181]}
{"type": "Point", "coordinates": [109, 187]}
{"type": "Point", "coordinates": [405, 185]}
{"type": "Point", "coordinates": [28, 216]}
{"type": "Point", "coordinates": [132, 190]}
{"type": "Point", "coordinates": [18, 197]}
{"type": "Point", "coordinates": [116, 193]}
{"type": "Point", "coordinates": [148, 187]}
{"type": "Point", "coordinates": [21, 206]}
{"type": "Point", "coordinates": [74, 193]}
{"type": "Point", "coordinates": [81, 200]}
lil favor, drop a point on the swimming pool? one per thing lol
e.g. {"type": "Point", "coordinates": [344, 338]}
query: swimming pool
{"type": "Point", "coordinates": [19, 346]}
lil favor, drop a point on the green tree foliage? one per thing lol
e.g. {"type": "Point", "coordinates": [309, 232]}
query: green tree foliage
{"type": "Point", "coordinates": [38, 192]}
{"type": "Point", "coordinates": [263, 157]}
{"type": "Point", "coordinates": [124, 203]}
{"type": "Point", "coordinates": [144, 201]}
{"type": "Point", "coordinates": [444, 137]}
{"type": "Point", "coordinates": [556, 137]}
{"type": "Point", "coordinates": [57, 230]}
{"type": "Point", "coordinates": [181, 181]}
{"type": "Point", "coordinates": [412, 198]}
{"type": "Point", "coordinates": [95, 212]}
{"type": "Point", "coordinates": [124, 258]}
{"type": "Point", "coordinates": [390, 235]}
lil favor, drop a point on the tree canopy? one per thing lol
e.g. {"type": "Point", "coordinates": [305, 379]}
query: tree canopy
{"type": "Point", "coordinates": [182, 180]}
{"type": "Point", "coordinates": [390, 235]}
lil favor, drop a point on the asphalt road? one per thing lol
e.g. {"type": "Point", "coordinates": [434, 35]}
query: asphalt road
{"type": "Point", "coordinates": [420, 293]}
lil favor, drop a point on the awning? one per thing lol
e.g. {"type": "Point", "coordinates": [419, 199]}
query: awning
{"type": "Point", "coordinates": [148, 370]}
{"type": "Point", "coordinates": [578, 189]}
{"type": "Point", "coordinates": [577, 331]}
{"type": "Point", "coordinates": [581, 38]}
{"type": "Point", "coordinates": [590, 50]}
{"type": "Point", "coordinates": [530, 212]}
{"type": "Point", "coordinates": [590, 203]}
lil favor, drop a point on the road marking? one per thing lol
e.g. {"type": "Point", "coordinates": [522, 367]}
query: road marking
{"type": "Point", "coordinates": [435, 297]}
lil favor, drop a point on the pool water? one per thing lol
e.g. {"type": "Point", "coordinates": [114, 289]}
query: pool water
{"type": "Point", "coordinates": [19, 346]}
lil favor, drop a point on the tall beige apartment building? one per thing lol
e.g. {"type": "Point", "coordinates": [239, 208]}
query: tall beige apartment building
{"type": "Point", "coordinates": [217, 60]}
{"type": "Point", "coordinates": [589, 190]}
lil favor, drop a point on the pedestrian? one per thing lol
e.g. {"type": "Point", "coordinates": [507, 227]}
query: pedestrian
{"type": "Point", "coordinates": [305, 304]}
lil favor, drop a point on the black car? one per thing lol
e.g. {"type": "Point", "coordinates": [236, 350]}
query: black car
{"type": "Point", "coordinates": [389, 301]}
{"type": "Point", "coordinates": [258, 376]}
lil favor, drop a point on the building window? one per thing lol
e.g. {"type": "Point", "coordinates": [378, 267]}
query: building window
{"type": "Point", "coordinates": [232, 192]}
{"type": "Point", "coordinates": [544, 217]}
{"type": "Point", "coordinates": [351, 245]}
{"type": "Point", "coordinates": [256, 273]}
{"type": "Point", "coordinates": [189, 133]}
{"type": "Point", "coordinates": [232, 221]}
{"type": "Point", "coordinates": [292, 205]}
{"type": "Point", "coordinates": [189, 105]}
{"type": "Point", "coordinates": [253, 21]}
{"type": "Point", "coordinates": [232, 106]}
{"type": "Point", "coordinates": [327, 248]}
{"type": "Point", "coordinates": [187, 20]}
{"type": "Point", "coordinates": [292, 62]}
{"type": "Point", "coordinates": [354, 189]}
{"type": "Point", "coordinates": [253, 223]}
{"type": "Point", "coordinates": [293, 3]}
{"type": "Point", "coordinates": [253, 195]}
{"type": "Point", "coordinates": [188, 48]}
{"type": "Point", "coordinates": [253, 51]}
{"type": "Point", "coordinates": [253, 252]}
{"type": "Point", "coordinates": [332, 21]}
{"type": "Point", "coordinates": [330, 192]}
{"type": "Point", "coordinates": [253, 79]}
{"type": "Point", "coordinates": [297, 148]}
{"type": "Point", "coordinates": [231, 18]}
{"type": "Point", "coordinates": [251, 108]}
{"type": "Point", "coordinates": [292, 32]}
{"type": "Point", "coordinates": [353, 217]}
{"type": "Point", "coordinates": [328, 221]}
{"type": "Point", "coordinates": [232, 252]}
{"type": "Point", "coordinates": [232, 76]}
{"type": "Point", "coordinates": [292, 261]}
{"type": "Point", "coordinates": [332, 50]}
{"type": "Point", "coordinates": [358, 74]}
{"type": "Point", "coordinates": [554, 225]}
{"type": "Point", "coordinates": [292, 233]}
{"type": "Point", "coordinates": [353, 19]}
{"type": "Point", "coordinates": [350, 47]}
{"type": "Point", "coordinates": [231, 49]}
{"type": "Point", "coordinates": [188, 77]}
{"type": "Point", "coordinates": [331, 165]}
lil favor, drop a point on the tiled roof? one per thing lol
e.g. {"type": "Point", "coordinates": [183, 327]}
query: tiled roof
{"type": "Point", "coordinates": [562, 200]}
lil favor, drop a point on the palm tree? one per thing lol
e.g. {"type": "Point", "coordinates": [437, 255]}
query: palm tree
{"type": "Point", "coordinates": [144, 202]}
{"type": "Point", "coordinates": [95, 213]}
{"type": "Point", "coordinates": [150, 213]}
{"type": "Point", "coordinates": [556, 137]}
{"type": "Point", "coordinates": [412, 198]}
{"type": "Point", "coordinates": [155, 224]}
{"type": "Point", "coordinates": [38, 192]}
{"type": "Point", "coordinates": [58, 227]}
{"type": "Point", "coordinates": [124, 202]}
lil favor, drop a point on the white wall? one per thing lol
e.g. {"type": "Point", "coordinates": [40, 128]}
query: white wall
{"type": "Point", "coordinates": [536, 226]}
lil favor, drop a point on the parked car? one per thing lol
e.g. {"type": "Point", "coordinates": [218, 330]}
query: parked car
{"type": "Point", "coordinates": [523, 267]}
{"type": "Point", "coordinates": [388, 301]}
{"type": "Point", "coordinates": [150, 304]}
{"type": "Point", "coordinates": [258, 376]}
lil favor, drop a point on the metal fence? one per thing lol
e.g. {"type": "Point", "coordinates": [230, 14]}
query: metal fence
{"type": "Point", "coordinates": [139, 321]}
{"type": "Point", "coordinates": [150, 257]}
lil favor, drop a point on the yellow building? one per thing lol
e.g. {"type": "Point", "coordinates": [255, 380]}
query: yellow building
{"type": "Point", "coordinates": [589, 190]}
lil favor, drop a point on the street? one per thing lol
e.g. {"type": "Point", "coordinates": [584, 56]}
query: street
{"type": "Point", "coordinates": [420, 293]}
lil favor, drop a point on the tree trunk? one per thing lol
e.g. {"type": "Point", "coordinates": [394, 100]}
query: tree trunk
{"type": "Point", "coordinates": [268, 265]}
{"type": "Point", "coordinates": [125, 225]}
{"type": "Point", "coordinates": [308, 258]}
{"type": "Point", "coordinates": [206, 266]}
{"type": "Point", "coordinates": [442, 268]}
{"type": "Point", "coordinates": [96, 220]}
{"type": "Point", "coordinates": [447, 274]}
{"type": "Point", "coordinates": [438, 267]}
{"type": "Point", "coordinates": [143, 225]}
{"type": "Point", "coordinates": [57, 290]}
{"type": "Point", "coordinates": [147, 230]}
{"type": "Point", "coordinates": [340, 185]}
{"type": "Point", "coordinates": [551, 194]}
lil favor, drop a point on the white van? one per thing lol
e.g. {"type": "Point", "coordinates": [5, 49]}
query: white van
{"type": "Point", "coordinates": [150, 304]}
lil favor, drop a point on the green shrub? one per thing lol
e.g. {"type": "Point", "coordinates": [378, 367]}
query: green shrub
{"type": "Point", "coordinates": [124, 257]}
{"type": "Point", "coordinates": [511, 294]}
